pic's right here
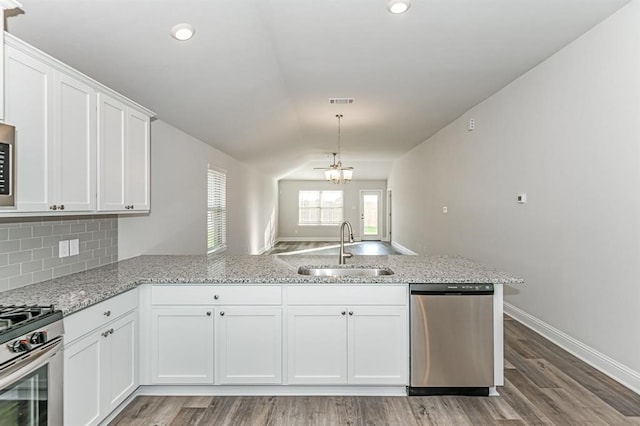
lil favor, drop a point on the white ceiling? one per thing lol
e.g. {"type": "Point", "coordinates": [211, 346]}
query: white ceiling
{"type": "Point", "coordinates": [255, 80]}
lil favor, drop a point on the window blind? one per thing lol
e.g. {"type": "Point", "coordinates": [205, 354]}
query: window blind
{"type": "Point", "coordinates": [216, 210]}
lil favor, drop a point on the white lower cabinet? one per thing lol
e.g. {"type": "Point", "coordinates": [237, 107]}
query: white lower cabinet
{"type": "Point", "coordinates": [182, 345]}
{"type": "Point", "coordinates": [360, 345]}
{"type": "Point", "coordinates": [249, 345]}
{"type": "Point", "coordinates": [100, 371]}
{"type": "Point", "coordinates": [317, 352]}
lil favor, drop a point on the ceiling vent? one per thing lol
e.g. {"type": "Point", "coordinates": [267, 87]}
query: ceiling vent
{"type": "Point", "coordinates": [341, 101]}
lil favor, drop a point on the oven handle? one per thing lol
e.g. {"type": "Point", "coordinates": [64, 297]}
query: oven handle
{"type": "Point", "coordinates": [30, 362]}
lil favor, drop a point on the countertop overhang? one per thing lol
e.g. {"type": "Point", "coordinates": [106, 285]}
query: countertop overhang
{"type": "Point", "coordinates": [77, 291]}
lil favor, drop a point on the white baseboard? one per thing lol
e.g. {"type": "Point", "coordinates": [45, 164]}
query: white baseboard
{"type": "Point", "coordinates": [402, 249]}
{"type": "Point", "coordinates": [269, 390]}
{"type": "Point", "coordinates": [612, 368]}
{"type": "Point", "coordinates": [302, 239]}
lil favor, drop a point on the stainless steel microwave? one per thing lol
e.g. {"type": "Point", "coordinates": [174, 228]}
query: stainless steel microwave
{"type": "Point", "coordinates": [7, 166]}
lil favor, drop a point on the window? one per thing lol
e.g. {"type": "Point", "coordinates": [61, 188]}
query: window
{"type": "Point", "coordinates": [216, 210]}
{"type": "Point", "coordinates": [320, 207]}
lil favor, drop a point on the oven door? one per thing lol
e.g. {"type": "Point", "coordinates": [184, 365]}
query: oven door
{"type": "Point", "coordinates": [31, 388]}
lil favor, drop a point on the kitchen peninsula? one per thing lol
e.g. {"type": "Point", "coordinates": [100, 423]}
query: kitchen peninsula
{"type": "Point", "coordinates": [188, 324]}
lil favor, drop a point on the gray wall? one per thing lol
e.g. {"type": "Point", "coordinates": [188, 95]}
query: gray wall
{"type": "Point", "coordinates": [29, 247]}
{"type": "Point", "coordinates": [177, 223]}
{"type": "Point", "coordinates": [288, 208]}
{"type": "Point", "coordinates": [568, 134]}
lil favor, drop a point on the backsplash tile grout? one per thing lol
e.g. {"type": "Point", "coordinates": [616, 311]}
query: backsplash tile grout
{"type": "Point", "coordinates": [29, 247]}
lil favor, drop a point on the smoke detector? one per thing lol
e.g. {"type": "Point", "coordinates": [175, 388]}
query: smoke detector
{"type": "Point", "coordinates": [341, 101]}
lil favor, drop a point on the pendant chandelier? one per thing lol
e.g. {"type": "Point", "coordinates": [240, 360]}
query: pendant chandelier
{"type": "Point", "coordinates": [336, 172]}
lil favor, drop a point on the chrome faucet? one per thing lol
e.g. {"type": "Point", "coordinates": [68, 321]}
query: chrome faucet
{"type": "Point", "coordinates": [344, 255]}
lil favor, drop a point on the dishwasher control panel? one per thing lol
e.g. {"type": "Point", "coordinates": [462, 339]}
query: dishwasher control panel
{"type": "Point", "coordinates": [453, 288]}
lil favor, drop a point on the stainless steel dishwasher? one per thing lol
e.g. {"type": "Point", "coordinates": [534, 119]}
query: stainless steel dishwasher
{"type": "Point", "coordinates": [451, 339]}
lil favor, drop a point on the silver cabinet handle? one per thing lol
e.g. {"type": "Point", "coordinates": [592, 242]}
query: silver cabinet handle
{"type": "Point", "coordinates": [221, 313]}
{"type": "Point", "coordinates": [350, 312]}
{"type": "Point", "coordinates": [131, 206]}
{"type": "Point", "coordinates": [54, 207]}
{"type": "Point", "coordinates": [107, 313]}
{"type": "Point", "coordinates": [208, 313]}
{"type": "Point", "coordinates": [61, 207]}
{"type": "Point", "coordinates": [215, 296]}
{"type": "Point", "coordinates": [343, 312]}
{"type": "Point", "coordinates": [111, 331]}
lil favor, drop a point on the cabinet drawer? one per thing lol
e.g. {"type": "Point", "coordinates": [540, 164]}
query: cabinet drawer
{"type": "Point", "coordinates": [216, 295]}
{"type": "Point", "coordinates": [87, 320]}
{"type": "Point", "coordinates": [370, 294]}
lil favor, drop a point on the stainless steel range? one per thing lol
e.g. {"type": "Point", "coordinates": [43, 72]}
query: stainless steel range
{"type": "Point", "coordinates": [31, 365]}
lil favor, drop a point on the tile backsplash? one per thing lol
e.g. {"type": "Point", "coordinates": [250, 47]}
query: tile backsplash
{"type": "Point", "coordinates": [29, 247]}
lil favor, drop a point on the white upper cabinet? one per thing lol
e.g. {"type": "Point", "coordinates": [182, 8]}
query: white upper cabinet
{"type": "Point", "coordinates": [29, 107]}
{"type": "Point", "coordinates": [74, 148]}
{"type": "Point", "coordinates": [79, 146]}
{"type": "Point", "coordinates": [123, 143]}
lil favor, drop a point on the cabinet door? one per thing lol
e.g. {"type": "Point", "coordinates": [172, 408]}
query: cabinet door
{"type": "Point", "coordinates": [75, 144]}
{"type": "Point", "coordinates": [120, 361]}
{"type": "Point", "coordinates": [111, 153]}
{"type": "Point", "coordinates": [249, 345]}
{"type": "Point", "coordinates": [182, 345]}
{"type": "Point", "coordinates": [317, 346]}
{"type": "Point", "coordinates": [378, 345]}
{"type": "Point", "coordinates": [83, 381]}
{"type": "Point", "coordinates": [29, 102]}
{"type": "Point", "coordinates": [137, 161]}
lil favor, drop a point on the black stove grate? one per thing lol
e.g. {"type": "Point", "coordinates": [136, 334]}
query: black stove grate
{"type": "Point", "coordinates": [16, 320]}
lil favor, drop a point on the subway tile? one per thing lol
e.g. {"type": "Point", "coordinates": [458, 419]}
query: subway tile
{"type": "Point", "coordinates": [93, 263]}
{"type": "Point", "coordinates": [93, 245]}
{"type": "Point", "coordinates": [85, 255]}
{"type": "Point", "coordinates": [112, 251]}
{"type": "Point", "coordinates": [105, 243]}
{"type": "Point", "coordinates": [78, 228]}
{"type": "Point", "coordinates": [51, 262]}
{"type": "Point", "coordinates": [31, 243]}
{"type": "Point", "coordinates": [33, 266]}
{"type": "Point", "coordinates": [105, 260]}
{"type": "Point", "coordinates": [61, 271]}
{"type": "Point", "coordinates": [4, 284]}
{"type": "Point", "coordinates": [4, 234]}
{"type": "Point", "coordinates": [98, 235]}
{"type": "Point", "coordinates": [62, 229]}
{"type": "Point", "coordinates": [112, 233]}
{"type": "Point", "coordinates": [51, 241]}
{"type": "Point", "coordinates": [105, 226]}
{"type": "Point", "coordinates": [97, 253]}
{"type": "Point", "coordinates": [40, 276]}
{"type": "Point", "coordinates": [85, 236]}
{"type": "Point", "coordinates": [9, 271]}
{"type": "Point", "coordinates": [43, 231]}
{"type": "Point", "coordinates": [42, 253]}
{"type": "Point", "coordinates": [9, 246]}
{"type": "Point", "coordinates": [69, 260]}
{"type": "Point", "coordinates": [4, 259]}
{"type": "Point", "coordinates": [19, 233]}
{"type": "Point", "coordinates": [20, 280]}
{"type": "Point", "coordinates": [93, 226]}
{"type": "Point", "coordinates": [78, 267]}
{"type": "Point", "coordinates": [20, 256]}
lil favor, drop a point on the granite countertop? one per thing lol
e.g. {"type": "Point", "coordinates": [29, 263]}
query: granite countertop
{"type": "Point", "coordinates": [77, 291]}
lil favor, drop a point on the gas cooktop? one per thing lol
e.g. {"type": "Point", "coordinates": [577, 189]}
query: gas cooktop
{"type": "Point", "coordinates": [15, 321]}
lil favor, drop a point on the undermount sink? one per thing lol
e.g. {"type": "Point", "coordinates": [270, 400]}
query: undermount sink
{"type": "Point", "coordinates": [344, 272]}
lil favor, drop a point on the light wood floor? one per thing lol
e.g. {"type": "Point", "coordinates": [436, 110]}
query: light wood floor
{"type": "Point", "coordinates": [333, 248]}
{"type": "Point", "coordinates": [544, 385]}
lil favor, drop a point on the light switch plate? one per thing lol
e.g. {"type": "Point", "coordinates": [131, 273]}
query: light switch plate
{"type": "Point", "coordinates": [74, 247]}
{"type": "Point", "coordinates": [63, 248]}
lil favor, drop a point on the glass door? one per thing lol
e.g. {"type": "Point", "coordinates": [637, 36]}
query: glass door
{"type": "Point", "coordinates": [25, 402]}
{"type": "Point", "coordinates": [370, 215]}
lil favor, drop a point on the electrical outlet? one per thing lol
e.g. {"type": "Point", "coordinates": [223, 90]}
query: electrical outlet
{"type": "Point", "coordinates": [74, 247]}
{"type": "Point", "coordinates": [63, 248]}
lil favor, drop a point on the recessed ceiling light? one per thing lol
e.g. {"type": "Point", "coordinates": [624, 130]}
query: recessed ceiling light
{"type": "Point", "coordinates": [182, 32]}
{"type": "Point", "coordinates": [398, 6]}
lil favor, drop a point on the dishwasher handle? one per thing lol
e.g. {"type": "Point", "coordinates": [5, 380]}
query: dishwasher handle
{"type": "Point", "coordinates": [451, 289]}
